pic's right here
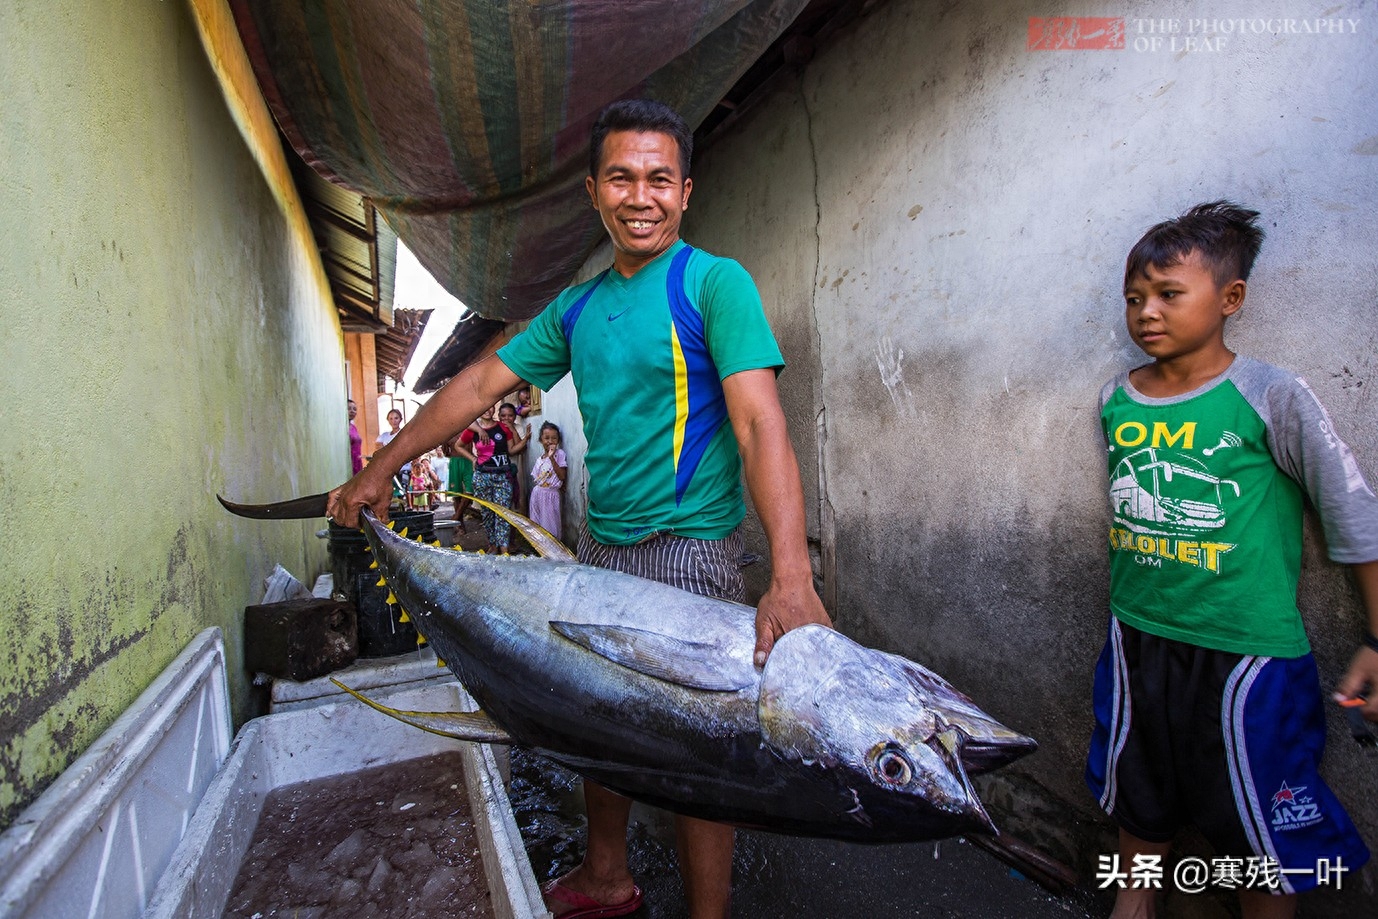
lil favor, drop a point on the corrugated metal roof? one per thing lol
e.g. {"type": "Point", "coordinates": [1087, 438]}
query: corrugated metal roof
{"type": "Point", "coordinates": [465, 344]}
{"type": "Point", "coordinates": [359, 252]}
{"type": "Point", "coordinates": [394, 348]}
{"type": "Point", "coordinates": [358, 249]}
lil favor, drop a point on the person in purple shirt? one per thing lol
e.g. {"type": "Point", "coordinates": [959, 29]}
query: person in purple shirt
{"type": "Point", "coordinates": [356, 441]}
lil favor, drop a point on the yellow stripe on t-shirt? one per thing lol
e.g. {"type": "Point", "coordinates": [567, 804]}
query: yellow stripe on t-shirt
{"type": "Point", "coordinates": [681, 393]}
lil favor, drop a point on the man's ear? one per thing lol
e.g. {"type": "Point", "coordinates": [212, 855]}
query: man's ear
{"type": "Point", "coordinates": [592, 187]}
{"type": "Point", "coordinates": [684, 199]}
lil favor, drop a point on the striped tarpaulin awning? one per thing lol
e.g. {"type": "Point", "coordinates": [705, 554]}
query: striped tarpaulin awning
{"type": "Point", "coordinates": [466, 122]}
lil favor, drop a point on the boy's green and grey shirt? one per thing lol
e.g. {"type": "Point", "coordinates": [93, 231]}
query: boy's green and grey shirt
{"type": "Point", "coordinates": [1206, 503]}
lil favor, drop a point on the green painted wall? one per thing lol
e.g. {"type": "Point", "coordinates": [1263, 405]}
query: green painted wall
{"type": "Point", "coordinates": [163, 340]}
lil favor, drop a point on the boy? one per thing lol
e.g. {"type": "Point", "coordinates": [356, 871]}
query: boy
{"type": "Point", "coordinates": [1208, 705]}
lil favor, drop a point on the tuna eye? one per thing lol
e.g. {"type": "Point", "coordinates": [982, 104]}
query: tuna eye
{"type": "Point", "coordinates": [892, 767]}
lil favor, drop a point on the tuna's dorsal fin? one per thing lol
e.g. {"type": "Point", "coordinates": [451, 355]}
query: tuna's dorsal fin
{"type": "Point", "coordinates": [539, 537]}
{"type": "Point", "coordinates": [473, 726]}
{"type": "Point", "coordinates": [698, 665]}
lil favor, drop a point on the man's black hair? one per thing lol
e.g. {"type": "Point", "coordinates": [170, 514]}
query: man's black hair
{"type": "Point", "coordinates": [642, 115]}
{"type": "Point", "coordinates": [1222, 232]}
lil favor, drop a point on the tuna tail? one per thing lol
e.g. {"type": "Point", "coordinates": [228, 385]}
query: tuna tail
{"type": "Point", "coordinates": [471, 726]}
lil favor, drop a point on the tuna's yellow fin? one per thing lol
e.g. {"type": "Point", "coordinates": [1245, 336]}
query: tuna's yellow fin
{"type": "Point", "coordinates": [473, 726]}
{"type": "Point", "coordinates": [539, 537]}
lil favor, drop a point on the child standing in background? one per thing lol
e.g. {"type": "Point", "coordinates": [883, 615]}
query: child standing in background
{"type": "Point", "coordinates": [1207, 699]}
{"type": "Point", "coordinates": [549, 477]}
{"type": "Point", "coordinates": [423, 483]}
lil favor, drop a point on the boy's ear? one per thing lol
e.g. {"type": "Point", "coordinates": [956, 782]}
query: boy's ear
{"type": "Point", "coordinates": [1233, 296]}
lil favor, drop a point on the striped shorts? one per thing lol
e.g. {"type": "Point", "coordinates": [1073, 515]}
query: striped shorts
{"type": "Point", "coordinates": [1230, 743]}
{"type": "Point", "coordinates": [707, 567]}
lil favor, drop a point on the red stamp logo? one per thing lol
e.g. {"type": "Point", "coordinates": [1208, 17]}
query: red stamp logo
{"type": "Point", "coordinates": [1076, 33]}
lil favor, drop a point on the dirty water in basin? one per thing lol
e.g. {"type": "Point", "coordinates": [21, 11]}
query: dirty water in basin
{"type": "Point", "coordinates": [782, 877]}
{"type": "Point", "coordinates": [394, 842]}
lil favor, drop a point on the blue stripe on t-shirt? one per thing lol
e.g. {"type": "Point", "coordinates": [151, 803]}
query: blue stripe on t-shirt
{"type": "Point", "coordinates": [707, 406]}
{"type": "Point", "coordinates": [571, 315]}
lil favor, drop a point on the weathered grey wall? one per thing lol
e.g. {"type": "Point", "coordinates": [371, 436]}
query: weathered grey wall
{"type": "Point", "coordinates": [938, 218]}
{"type": "Point", "coordinates": [167, 336]}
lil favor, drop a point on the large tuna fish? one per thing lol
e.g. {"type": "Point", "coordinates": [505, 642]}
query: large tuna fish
{"type": "Point", "coordinates": [651, 691]}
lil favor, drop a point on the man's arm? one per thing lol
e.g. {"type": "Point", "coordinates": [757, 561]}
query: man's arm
{"type": "Point", "coordinates": [447, 413]}
{"type": "Point", "coordinates": [1362, 676]}
{"type": "Point", "coordinates": [772, 477]}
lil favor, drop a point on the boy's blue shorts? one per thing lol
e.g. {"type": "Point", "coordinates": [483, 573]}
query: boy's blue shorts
{"type": "Point", "coordinates": [1229, 743]}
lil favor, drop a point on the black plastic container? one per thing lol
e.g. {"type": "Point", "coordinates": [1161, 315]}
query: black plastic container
{"type": "Point", "coordinates": [380, 632]}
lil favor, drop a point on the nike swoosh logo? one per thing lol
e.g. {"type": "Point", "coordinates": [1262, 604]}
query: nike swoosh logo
{"type": "Point", "coordinates": [612, 316]}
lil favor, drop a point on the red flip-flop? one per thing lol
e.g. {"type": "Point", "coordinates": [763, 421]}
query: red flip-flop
{"type": "Point", "coordinates": [584, 907]}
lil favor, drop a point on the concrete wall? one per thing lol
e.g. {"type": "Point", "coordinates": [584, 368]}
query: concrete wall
{"type": "Point", "coordinates": [165, 338]}
{"type": "Point", "coordinates": [938, 218]}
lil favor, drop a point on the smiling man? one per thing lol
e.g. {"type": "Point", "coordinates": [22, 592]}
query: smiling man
{"type": "Point", "coordinates": [676, 340]}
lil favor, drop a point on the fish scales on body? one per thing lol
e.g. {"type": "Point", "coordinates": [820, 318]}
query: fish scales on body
{"type": "Point", "coordinates": [651, 691]}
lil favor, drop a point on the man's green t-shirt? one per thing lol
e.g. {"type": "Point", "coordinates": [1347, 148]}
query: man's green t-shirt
{"type": "Point", "coordinates": [648, 355]}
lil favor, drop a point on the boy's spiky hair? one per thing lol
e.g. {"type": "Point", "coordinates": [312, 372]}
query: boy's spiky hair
{"type": "Point", "coordinates": [1223, 233]}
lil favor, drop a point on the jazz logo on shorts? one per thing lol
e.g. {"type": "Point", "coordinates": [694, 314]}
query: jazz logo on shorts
{"type": "Point", "coordinates": [1293, 809]}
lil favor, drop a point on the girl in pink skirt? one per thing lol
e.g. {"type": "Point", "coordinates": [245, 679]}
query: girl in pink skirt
{"type": "Point", "coordinates": [548, 476]}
